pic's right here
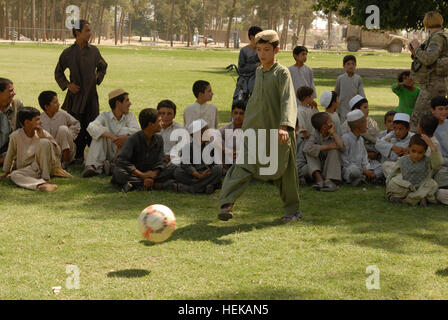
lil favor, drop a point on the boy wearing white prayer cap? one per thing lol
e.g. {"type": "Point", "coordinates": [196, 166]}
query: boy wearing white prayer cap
{"type": "Point", "coordinates": [356, 166]}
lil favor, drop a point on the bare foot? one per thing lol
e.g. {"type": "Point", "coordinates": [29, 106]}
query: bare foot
{"type": "Point", "coordinates": [46, 187]}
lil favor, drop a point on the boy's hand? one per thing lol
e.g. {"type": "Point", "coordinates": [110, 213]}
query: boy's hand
{"type": "Point", "coordinates": [399, 150]}
{"type": "Point", "coordinates": [74, 88]}
{"type": "Point", "coordinates": [331, 130]}
{"type": "Point", "coordinates": [313, 104]}
{"type": "Point", "coordinates": [40, 133]}
{"type": "Point", "coordinates": [167, 158]}
{"type": "Point", "coordinates": [283, 135]}
{"type": "Point", "coordinates": [120, 140]}
{"type": "Point", "coordinates": [151, 175]}
{"type": "Point", "coordinates": [429, 142]}
{"type": "Point", "coordinates": [305, 134]}
{"type": "Point", "coordinates": [369, 174]}
{"type": "Point", "coordinates": [330, 146]}
{"type": "Point", "coordinates": [148, 184]}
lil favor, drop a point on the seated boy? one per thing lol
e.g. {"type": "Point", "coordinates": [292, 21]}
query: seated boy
{"type": "Point", "coordinates": [140, 165]}
{"type": "Point", "coordinates": [61, 125]}
{"type": "Point", "coordinates": [197, 177]}
{"type": "Point", "coordinates": [388, 123]}
{"type": "Point", "coordinates": [406, 93]}
{"type": "Point", "coordinates": [330, 101]}
{"type": "Point", "coordinates": [109, 132]}
{"type": "Point", "coordinates": [167, 110]}
{"type": "Point", "coordinates": [396, 143]}
{"type": "Point", "coordinates": [322, 153]}
{"type": "Point", "coordinates": [410, 178]}
{"type": "Point", "coordinates": [370, 136]}
{"type": "Point", "coordinates": [231, 136]}
{"type": "Point", "coordinates": [439, 108]}
{"type": "Point", "coordinates": [33, 155]}
{"type": "Point", "coordinates": [355, 161]}
{"type": "Point", "coordinates": [9, 110]}
{"type": "Point", "coordinates": [201, 109]}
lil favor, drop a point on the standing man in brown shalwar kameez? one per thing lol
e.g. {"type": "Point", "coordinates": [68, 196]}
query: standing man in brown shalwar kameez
{"type": "Point", "coordinates": [87, 70]}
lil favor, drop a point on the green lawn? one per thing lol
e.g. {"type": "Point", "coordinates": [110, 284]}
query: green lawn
{"type": "Point", "coordinates": [88, 223]}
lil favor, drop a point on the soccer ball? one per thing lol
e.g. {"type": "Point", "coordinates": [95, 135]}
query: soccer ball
{"type": "Point", "coordinates": [157, 223]}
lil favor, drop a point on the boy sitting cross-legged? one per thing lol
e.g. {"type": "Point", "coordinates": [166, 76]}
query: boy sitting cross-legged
{"type": "Point", "coordinates": [33, 155]}
{"type": "Point", "coordinates": [322, 153]}
{"type": "Point", "coordinates": [410, 178]}
{"type": "Point", "coordinates": [355, 161]}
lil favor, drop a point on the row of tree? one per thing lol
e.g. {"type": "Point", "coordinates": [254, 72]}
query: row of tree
{"type": "Point", "coordinates": [45, 19]}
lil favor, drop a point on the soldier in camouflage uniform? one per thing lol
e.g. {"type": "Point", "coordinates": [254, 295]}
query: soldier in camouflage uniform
{"type": "Point", "coordinates": [425, 58]}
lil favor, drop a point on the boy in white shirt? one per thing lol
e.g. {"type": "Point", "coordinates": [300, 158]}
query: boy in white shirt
{"type": "Point", "coordinates": [201, 109]}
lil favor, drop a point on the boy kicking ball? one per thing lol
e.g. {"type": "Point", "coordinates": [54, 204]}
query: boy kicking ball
{"type": "Point", "coordinates": [272, 106]}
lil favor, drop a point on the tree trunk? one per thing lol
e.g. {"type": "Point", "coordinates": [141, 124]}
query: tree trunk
{"type": "Point", "coordinates": [101, 24]}
{"type": "Point", "coordinates": [21, 20]}
{"type": "Point", "coordinates": [187, 5]}
{"type": "Point", "coordinates": [53, 20]}
{"type": "Point", "coordinates": [171, 23]}
{"type": "Point", "coordinates": [130, 29]}
{"type": "Point", "coordinates": [229, 25]}
{"type": "Point", "coordinates": [62, 7]}
{"type": "Point", "coordinates": [116, 25]}
{"type": "Point", "coordinates": [304, 35]}
{"type": "Point", "coordinates": [87, 14]}
{"type": "Point", "coordinates": [121, 27]}
{"type": "Point", "coordinates": [2, 21]}
{"type": "Point", "coordinates": [284, 38]}
{"type": "Point", "coordinates": [7, 20]}
{"type": "Point", "coordinates": [204, 2]}
{"type": "Point", "coordinates": [330, 24]}
{"type": "Point", "coordinates": [44, 20]}
{"type": "Point", "coordinates": [155, 21]}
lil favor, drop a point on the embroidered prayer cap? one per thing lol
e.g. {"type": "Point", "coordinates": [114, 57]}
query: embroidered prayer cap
{"type": "Point", "coordinates": [355, 115]}
{"type": "Point", "coordinates": [355, 100]}
{"type": "Point", "coordinates": [116, 93]}
{"type": "Point", "coordinates": [197, 126]}
{"type": "Point", "coordinates": [268, 35]}
{"type": "Point", "coordinates": [325, 98]}
{"type": "Point", "coordinates": [402, 117]}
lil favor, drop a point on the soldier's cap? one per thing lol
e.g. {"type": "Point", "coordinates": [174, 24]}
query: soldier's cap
{"type": "Point", "coordinates": [270, 36]}
{"type": "Point", "coordinates": [355, 100]}
{"type": "Point", "coordinates": [355, 115]}
{"type": "Point", "coordinates": [325, 98]}
{"type": "Point", "coordinates": [116, 93]}
{"type": "Point", "coordinates": [197, 126]}
{"type": "Point", "coordinates": [402, 117]}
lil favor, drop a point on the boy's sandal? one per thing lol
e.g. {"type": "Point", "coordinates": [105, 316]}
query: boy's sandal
{"type": "Point", "coordinates": [329, 187]}
{"type": "Point", "coordinates": [226, 213]}
{"type": "Point", "coordinates": [318, 185]}
{"type": "Point", "coordinates": [394, 199]}
{"type": "Point", "coordinates": [61, 173]}
{"type": "Point", "coordinates": [296, 217]}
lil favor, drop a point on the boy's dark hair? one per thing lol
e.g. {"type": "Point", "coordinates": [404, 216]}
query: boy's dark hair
{"type": "Point", "coordinates": [4, 83]}
{"type": "Point", "coordinates": [82, 23]}
{"type": "Point", "coordinates": [390, 113]}
{"type": "Point", "coordinates": [199, 87]}
{"type": "Point", "coordinates": [146, 116]}
{"type": "Point", "coordinates": [349, 58]}
{"type": "Point", "coordinates": [297, 50]}
{"type": "Point", "coordinates": [45, 98]}
{"type": "Point", "coordinates": [417, 139]}
{"type": "Point", "coordinates": [319, 119]}
{"type": "Point", "coordinates": [428, 123]}
{"type": "Point", "coordinates": [239, 105]}
{"type": "Point", "coordinates": [167, 104]}
{"type": "Point", "coordinates": [406, 73]}
{"type": "Point", "coordinates": [404, 123]}
{"type": "Point", "coordinates": [360, 103]}
{"type": "Point", "coordinates": [113, 102]}
{"type": "Point", "coordinates": [438, 101]}
{"type": "Point", "coordinates": [334, 97]}
{"type": "Point", "coordinates": [28, 113]}
{"type": "Point", "coordinates": [274, 44]}
{"type": "Point", "coordinates": [253, 31]}
{"type": "Point", "coordinates": [304, 92]}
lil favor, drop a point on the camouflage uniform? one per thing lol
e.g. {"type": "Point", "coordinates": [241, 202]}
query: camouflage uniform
{"type": "Point", "coordinates": [431, 85]}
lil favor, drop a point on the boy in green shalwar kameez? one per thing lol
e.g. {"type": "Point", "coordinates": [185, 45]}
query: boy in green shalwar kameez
{"type": "Point", "coordinates": [272, 106]}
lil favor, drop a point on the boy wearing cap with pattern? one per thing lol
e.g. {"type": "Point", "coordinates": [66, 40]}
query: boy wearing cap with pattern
{"type": "Point", "coordinates": [410, 178]}
{"type": "Point", "coordinates": [348, 85]}
{"type": "Point", "coordinates": [272, 106]}
{"type": "Point", "coordinates": [302, 75]}
{"type": "Point", "coordinates": [197, 177]}
{"type": "Point", "coordinates": [322, 151]}
{"type": "Point", "coordinates": [396, 143]}
{"type": "Point", "coordinates": [330, 101]}
{"type": "Point", "coordinates": [355, 161]}
{"type": "Point", "coordinates": [109, 132]}
{"type": "Point", "coordinates": [60, 124]}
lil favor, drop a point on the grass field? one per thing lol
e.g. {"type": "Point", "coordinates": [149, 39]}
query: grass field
{"type": "Point", "coordinates": [88, 223]}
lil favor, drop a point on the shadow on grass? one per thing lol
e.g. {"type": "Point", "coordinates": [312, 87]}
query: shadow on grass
{"type": "Point", "coordinates": [203, 231]}
{"type": "Point", "coordinates": [442, 272]}
{"type": "Point", "coordinates": [129, 273]}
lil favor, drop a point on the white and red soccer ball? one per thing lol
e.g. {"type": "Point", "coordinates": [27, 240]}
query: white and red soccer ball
{"type": "Point", "coordinates": [157, 223]}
